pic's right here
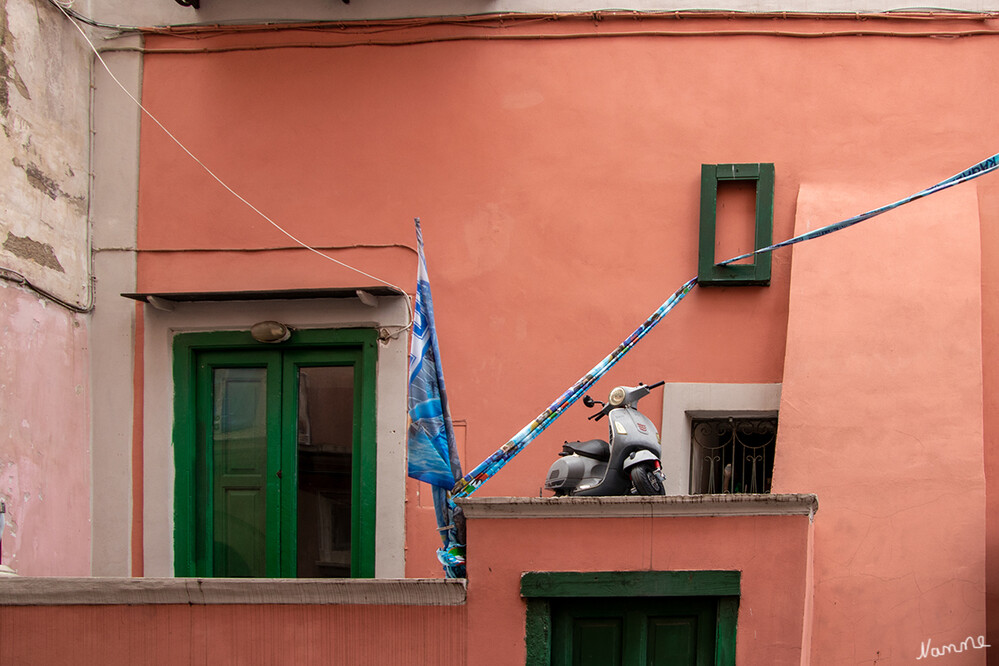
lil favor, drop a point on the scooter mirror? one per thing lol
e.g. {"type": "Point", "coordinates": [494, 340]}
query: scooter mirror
{"type": "Point", "coordinates": [588, 401]}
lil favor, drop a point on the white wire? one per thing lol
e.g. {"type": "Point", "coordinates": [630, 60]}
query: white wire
{"type": "Point", "coordinates": [225, 185]}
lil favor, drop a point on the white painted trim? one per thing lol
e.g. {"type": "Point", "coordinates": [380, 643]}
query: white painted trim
{"type": "Point", "coordinates": [208, 591]}
{"type": "Point", "coordinates": [682, 401]}
{"type": "Point", "coordinates": [390, 433]}
{"type": "Point", "coordinates": [674, 506]}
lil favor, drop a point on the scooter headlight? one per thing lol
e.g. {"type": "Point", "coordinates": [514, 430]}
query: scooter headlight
{"type": "Point", "coordinates": [617, 396]}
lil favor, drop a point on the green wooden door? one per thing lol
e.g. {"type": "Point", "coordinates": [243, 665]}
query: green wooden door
{"type": "Point", "coordinates": [331, 488]}
{"type": "Point", "coordinates": [238, 426]}
{"type": "Point", "coordinates": [275, 458]}
{"type": "Point", "coordinates": [676, 631]}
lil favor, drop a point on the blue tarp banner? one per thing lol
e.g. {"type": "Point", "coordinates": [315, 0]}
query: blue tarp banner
{"type": "Point", "coordinates": [433, 457]}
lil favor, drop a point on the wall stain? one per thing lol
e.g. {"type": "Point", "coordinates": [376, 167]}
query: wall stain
{"type": "Point", "coordinates": [40, 253]}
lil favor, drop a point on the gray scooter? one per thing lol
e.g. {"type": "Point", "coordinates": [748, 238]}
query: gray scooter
{"type": "Point", "coordinates": [628, 464]}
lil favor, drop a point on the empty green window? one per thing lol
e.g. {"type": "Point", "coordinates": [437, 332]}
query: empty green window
{"type": "Point", "coordinates": [717, 180]}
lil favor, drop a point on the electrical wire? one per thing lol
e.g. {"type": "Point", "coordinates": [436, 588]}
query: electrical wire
{"type": "Point", "coordinates": [507, 18]}
{"type": "Point", "coordinates": [939, 34]}
{"type": "Point", "coordinates": [216, 178]}
{"type": "Point", "coordinates": [272, 248]}
{"type": "Point", "coordinates": [10, 275]}
{"type": "Point", "coordinates": [67, 8]}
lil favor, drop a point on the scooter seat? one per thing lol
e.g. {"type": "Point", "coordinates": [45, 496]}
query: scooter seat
{"type": "Point", "coordinates": [597, 449]}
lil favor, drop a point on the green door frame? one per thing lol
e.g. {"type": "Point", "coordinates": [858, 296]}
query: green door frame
{"type": "Point", "coordinates": [192, 508]}
{"type": "Point", "coordinates": [539, 588]}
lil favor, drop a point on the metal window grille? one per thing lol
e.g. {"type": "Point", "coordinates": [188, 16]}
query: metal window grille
{"type": "Point", "coordinates": [732, 455]}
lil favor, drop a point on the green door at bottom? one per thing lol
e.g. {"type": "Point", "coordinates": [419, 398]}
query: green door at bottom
{"type": "Point", "coordinates": [636, 631]}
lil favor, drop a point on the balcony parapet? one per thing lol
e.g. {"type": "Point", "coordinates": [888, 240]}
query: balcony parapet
{"type": "Point", "coordinates": [641, 506]}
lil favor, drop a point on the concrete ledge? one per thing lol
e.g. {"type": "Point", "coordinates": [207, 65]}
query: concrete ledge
{"type": "Point", "coordinates": [640, 507]}
{"type": "Point", "coordinates": [204, 591]}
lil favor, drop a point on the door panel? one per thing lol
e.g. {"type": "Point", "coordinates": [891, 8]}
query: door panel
{"type": "Point", "coordinates": [239, 457]}
{"type": "Point", "coordinates": [672, 640]}
{"type": "Point", "coordinates": [597, 641]}
{"type": "Point", "coordinates": [652, 631]}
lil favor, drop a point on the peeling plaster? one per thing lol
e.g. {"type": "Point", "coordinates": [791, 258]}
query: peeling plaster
{"type": "Point", "coordinates": [48, 185]}
{"type": "Point", "coordinates": [40, 253]}
{"type": "Point", "coordinates": [38, 180]}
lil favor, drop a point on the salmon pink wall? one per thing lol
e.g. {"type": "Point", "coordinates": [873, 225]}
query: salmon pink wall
{"type": "Point", "coordinates": [232, 634]}
{"type": "Point", "coordinates": [770, 551]}
{"type": "Point", "coordinates": [557, 181]}
{"type": "Point", "coordinates": [45, 454]}
{"type": "Point", "coordinates": [881, 417]}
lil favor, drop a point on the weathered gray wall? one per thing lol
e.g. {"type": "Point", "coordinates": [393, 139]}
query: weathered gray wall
{"type": "Point", "coordinates": [44, 115]}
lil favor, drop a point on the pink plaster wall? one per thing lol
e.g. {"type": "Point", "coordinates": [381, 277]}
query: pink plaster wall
{"type": "Point", "coordinates": [770, 551]}
{"type": "Point", "coordinates": [45, 454]}
{"type": "Point", "coordinates": [306, 635]}
{"type": "Point", "coordinates": [881, 417]}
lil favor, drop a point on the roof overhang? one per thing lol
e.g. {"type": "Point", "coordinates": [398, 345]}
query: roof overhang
{"type": "Point", "coordinates": [156, 298]}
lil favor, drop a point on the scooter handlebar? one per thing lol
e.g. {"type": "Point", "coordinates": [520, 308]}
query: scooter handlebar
{"type": "Point", "coordinates": [599, 415]}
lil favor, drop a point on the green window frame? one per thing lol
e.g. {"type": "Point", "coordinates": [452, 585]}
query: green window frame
{"type": "Point", "coordinates": [545, 592]}
{"type": "Point", "coordinates": [709, 272]}
{"type": "Point", "coordinates": [193, 353]}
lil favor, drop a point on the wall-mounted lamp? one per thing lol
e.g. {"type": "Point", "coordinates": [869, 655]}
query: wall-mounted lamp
{"type": "Point", "coordinates": [270, 332]}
